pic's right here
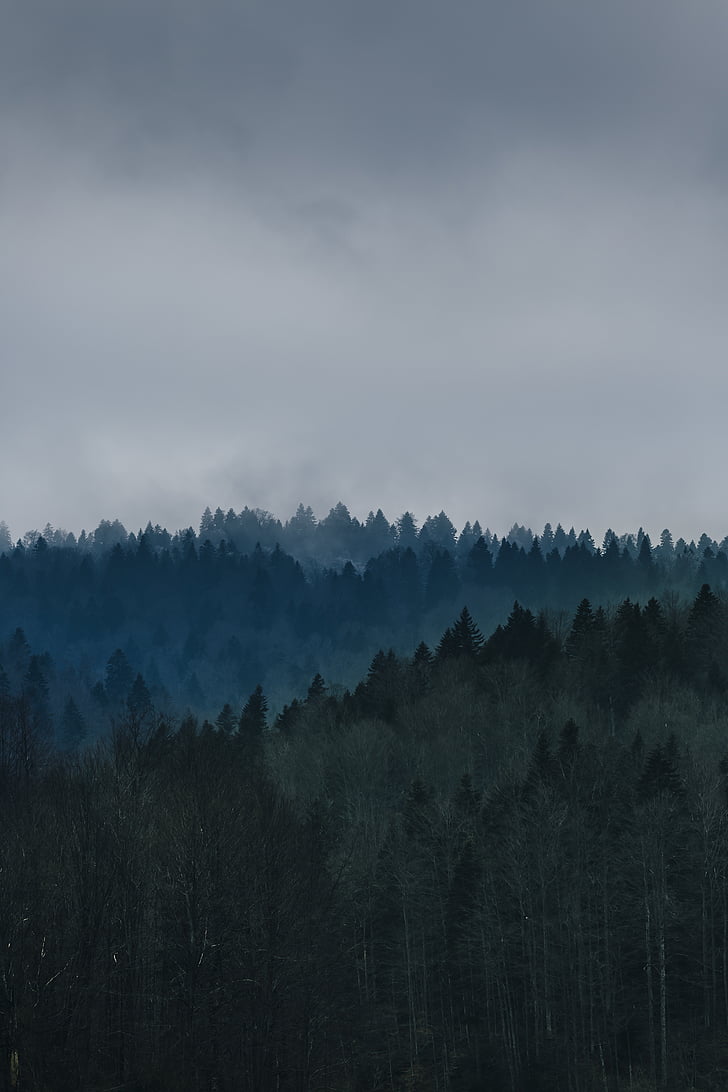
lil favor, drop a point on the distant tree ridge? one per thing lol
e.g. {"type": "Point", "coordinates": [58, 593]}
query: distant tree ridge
{"type": "Point", "coordinates": [204, 617]}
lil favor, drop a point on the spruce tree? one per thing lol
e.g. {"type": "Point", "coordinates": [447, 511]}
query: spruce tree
{"type": "Point", "coordinates": [317, 689]}
{"type": "Point", "coordinates": [252, 721]}
{"type": "Point", "coordinates": [467, 638]}
{"type": "Point", "coordinates": [225, 720]}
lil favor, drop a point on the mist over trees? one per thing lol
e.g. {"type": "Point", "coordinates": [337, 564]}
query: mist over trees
{"type": "Point", "coordinates": [283, 813]}
{"type": "Point", "coordinates": [205, 617]}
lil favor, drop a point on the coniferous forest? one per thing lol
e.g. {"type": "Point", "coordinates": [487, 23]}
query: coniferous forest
{"type": "Point", "coordinates": [348, 807]}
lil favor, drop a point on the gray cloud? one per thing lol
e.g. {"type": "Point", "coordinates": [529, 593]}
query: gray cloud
{"type": "Point", "coordinates": [404, 85]}
{"type": "Point", "coordinates": [406, 254]}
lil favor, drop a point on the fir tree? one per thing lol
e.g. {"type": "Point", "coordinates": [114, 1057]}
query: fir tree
{"type": "Point", "coordinates": [288, 718]}
{"type": "Point", "coordinates": [253, 720]}
{"type": "Point", "coordinates": [225, 720]}
{"type": "Point", "coordinates": [317, 689]}
{"type": "Point", "coordinates": [467, 638]}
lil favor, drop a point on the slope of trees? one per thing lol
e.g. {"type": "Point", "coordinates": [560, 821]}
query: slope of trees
{"type": "Point", "coordinates": [204, 618]}
{"type": "Point", "coordinates": [494, 863]}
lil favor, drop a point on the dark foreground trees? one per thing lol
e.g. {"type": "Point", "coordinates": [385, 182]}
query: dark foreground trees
{"type": "Point", "coordinates": [166, 922]}
{"type": "Point", "coordinates": [501, 866]}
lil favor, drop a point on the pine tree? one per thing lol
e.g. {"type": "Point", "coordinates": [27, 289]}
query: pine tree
{"type": "Point", "coordinates": [420, 671]}
{"type": "Point", "coordinates": [287, 719]}
{"type": "Point", "coordinates": [317, 689]}
{"type": "Point", "coordinates": [467, 638]}
{"type": "Point", "coordinates": [518, 639]}
{"type": "Point", "coordinates": [581, 630]}
{"type": "Point", "coordinates": [225, 720]}
{"type": "Point", "coordinates": [706, 630]}
{"type": "Point", "coordinates": [447, 645]}
{"type": "Point", "coordinates": [422, 656]}
{"type": "Point", "coordinates": [206, 524]}
{"type": "Point", "coordinates": [407, 534]}
{"type": "Point", "coordinates": [479, 565]}
{"type": "Point", "coordinates": [252, 721]}
{"type": "Point", "coordinates": [382, 689]}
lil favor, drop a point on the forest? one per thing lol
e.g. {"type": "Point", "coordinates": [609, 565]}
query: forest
{"type": "Point", "coordinates": [492, 857]}
{"type": "Point", "coordinates": [198, 620]}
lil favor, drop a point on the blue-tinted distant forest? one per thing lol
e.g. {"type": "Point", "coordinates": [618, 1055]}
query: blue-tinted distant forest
{"type": "Point", "coordinates": [202, 619]}
{"type": "Point", "coordinates": [477, 839]}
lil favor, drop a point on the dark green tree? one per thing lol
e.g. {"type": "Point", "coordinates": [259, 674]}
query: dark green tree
{"type": "Point", "coordinates": [706, 633]}
{"type": "Point", "coordinates": [288, 718]}
{"type": "Point", "coordinates": [382, 690]}
{"type": "Point", "coordinates": [253, 719]}
{"type": "Point", "coordinates": [407, 534]}
{"type": "Point", "coordinates": [579, 640]}
{"type": "Point", "coordinates": [467, 638]}
{"type": "Point", "coordinates": [479, 565]}
{"type": "Point", "coordinates": [225, 720]}
{"type": "Point", "coordinates": [317, 689]}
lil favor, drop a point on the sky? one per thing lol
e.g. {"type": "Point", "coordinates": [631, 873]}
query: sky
{"type": "Point", "coordinates": [406, 254]}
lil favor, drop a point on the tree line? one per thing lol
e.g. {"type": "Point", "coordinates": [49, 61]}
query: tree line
{"type": "Point", "coordinates": [204, 618]}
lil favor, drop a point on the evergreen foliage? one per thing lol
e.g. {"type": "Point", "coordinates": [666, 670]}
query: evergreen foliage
{"type": "Point", "coordinates": [253, 718]}
{"type": "Point", "coordinates": [502, 865]}
{"type": "Point", "coordinates": [446, 885]}
{"type": "Point", "coordinates": [308, 595]}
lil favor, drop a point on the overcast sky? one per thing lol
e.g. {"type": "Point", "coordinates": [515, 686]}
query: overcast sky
{"type": "Point", "coordinates": [468, 255]}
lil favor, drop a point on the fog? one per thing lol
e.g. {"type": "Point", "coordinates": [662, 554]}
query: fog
{"type": "Point", "coordinates": [405, 255]}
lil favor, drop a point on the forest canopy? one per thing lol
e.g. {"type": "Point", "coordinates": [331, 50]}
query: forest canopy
{"type": "Point", "coordinates": [448, 816]}
{"type": "Point", "coordinates": [205, 617]}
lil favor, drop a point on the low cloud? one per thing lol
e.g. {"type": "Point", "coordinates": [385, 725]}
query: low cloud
{"type": "Point", "coordinates": [468, 258]}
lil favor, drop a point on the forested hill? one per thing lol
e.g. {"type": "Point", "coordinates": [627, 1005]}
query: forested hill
{"type": "Point", "coordinates": [341, 537]}
{"type": "Point", "coordinates": [198, 621]}
{"type": "Point", "coordinates": [496, 864]}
